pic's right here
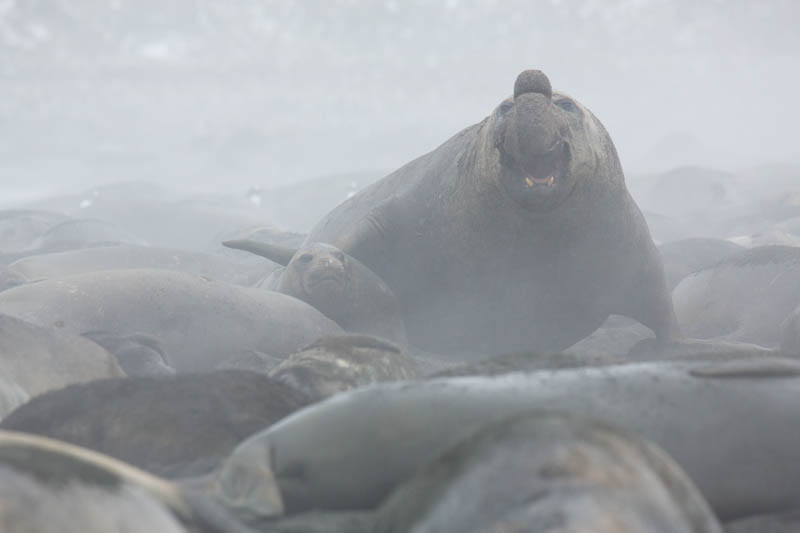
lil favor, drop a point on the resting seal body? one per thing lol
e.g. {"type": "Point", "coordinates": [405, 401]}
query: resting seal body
{"type": "Point", "coordinates": [744, 298]}
{"type": "Point", "coordinates": [545, 472]}
{"type": "Point", "coordinates": [516, 234]}
{"type": "Point", "coordinates": [732, 426]}
{"type": "Point", "coordinates": [199, 322]}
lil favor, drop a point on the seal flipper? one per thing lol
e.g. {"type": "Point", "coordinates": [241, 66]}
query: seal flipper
{"type": "Point", "coordinates": [279, 254]}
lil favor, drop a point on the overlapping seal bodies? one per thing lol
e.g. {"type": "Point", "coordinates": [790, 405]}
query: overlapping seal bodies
{"type": "Point", "coordinates": [516, 234]}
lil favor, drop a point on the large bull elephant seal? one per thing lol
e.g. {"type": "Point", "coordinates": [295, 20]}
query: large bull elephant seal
{"type": "Point", "coordinates": [516, 234]}
{"type": "Point", "coordinates": [544, 472]}
{"type": "Point", "coordinates": [338, 285]}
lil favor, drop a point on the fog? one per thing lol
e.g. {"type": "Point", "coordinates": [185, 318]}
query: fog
{"type": "Point", "coordinates": [210, 95]}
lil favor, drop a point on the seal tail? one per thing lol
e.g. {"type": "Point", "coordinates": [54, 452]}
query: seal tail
{"type": "Point", "coordinates": [279, 254]}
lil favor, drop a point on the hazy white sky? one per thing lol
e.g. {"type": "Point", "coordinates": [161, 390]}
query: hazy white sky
{"type": "Point", "coordinates": [214, 92]}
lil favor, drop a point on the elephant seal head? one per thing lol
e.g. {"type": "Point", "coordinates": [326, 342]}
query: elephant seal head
{"type": "Point", "coordinates": [543, 144]}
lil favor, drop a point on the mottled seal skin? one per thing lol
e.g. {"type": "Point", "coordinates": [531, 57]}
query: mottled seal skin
{"type": "Point", "coordinates": [339, 363]}
{"type": "Point", "coordinates": [686, 256]}
{"type": "Point", "coordinates": [175, 426]}
{"type": "Point", "coordinates": [36, 359]}
{"type": "Point", "coordinates": [339, 286]}
{"type": "Point", "coordinates": [517, 234]}
{"type": "Point", "coordinates": [544, 472]}
{"type": "Point", "coordinates": [714, 419]}
{"type": "Point", "coordinates": [744, 298]}
{"type": "Point", "coordinates": [199, 322]}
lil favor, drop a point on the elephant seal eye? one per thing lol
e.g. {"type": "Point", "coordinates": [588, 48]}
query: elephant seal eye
{"type": "Point", "coordinates": [567, 105]}
{"type": "Point", "coordinates": [339, 256]}
{"type": "Point", "coordinates": [505, 107]}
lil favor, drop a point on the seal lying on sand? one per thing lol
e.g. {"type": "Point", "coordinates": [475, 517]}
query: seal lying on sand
{"type": "Point", "coordinates": [732, 426]}
{"type": "Point", "coordinates": [545, 472]}
{"type": "Point", "coordinates": [339, 286]}
{"type": "Point", "coordinates": [517, 234]}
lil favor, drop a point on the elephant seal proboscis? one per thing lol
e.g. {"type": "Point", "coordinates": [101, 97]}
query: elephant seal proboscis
{"type": "Point", "coordinates": [338, 363]}
{"type": "Point", "coordinates": [338, 285]}
{"type": "Point", "coordinates": [544, 472]}
{"type": "Point", "coordinates": [733, 429]}
{"type": "Point", "coordinates": [517, 234]}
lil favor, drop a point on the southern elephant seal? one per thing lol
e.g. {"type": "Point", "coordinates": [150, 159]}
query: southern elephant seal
{"type": "Point", "coordinates": [545, 472]}
{"type": "Point", "coordinates": [37, 359]}
{"type": "Point", "coordinates": [338, 285]}
{"type": "Point", "coordinates": [172, 426]}
{"type": "Point", "coordinates": [199, 322]}
{"type": "Point", "coordinates": [733, 428]}
{"type": "Point", "coordinates": [47, 482]}
{"type": "Point", "coordinates": [338, 363]}
{"type": "Point", "coordinates": [517, 234]}
{"type": "Point", "coordinates": [744, 298]}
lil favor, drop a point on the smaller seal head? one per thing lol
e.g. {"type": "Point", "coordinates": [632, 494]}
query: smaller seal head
{"type": "Point", "coordinates": [317, 274]}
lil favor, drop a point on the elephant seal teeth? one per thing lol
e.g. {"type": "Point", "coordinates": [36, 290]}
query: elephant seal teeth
{"type": "Point", "coordinates": [531, 181]}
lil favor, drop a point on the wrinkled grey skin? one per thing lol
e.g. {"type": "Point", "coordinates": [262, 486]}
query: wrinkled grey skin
{"type": "Point", "coordinates": [480, 261]}
{"type": "Point", "coordinates": [137, 354]}
{"type": "Point", "coordinates": [126, 256]}
{"type": "Point", "coordinates": [744, 298]}
{"type": "Point", "coordinates": [686, 256]}
{"type": "Point", "coordinates": [542, 472]}
{"type": "Point", "coordinates": [338, 285]}
{"type": "Point", "coordinates": [339, 363]}
{"type": "Point", "coordinates": [36, 359]}
{"type": "Point", "coordinates": [198, 321]}
{"type": "Point", "coordinates": [790, 334]}
{"type": "Point", "coordinates": [732, 427]}
{"type": "Point", "coordinates": [33, 506]}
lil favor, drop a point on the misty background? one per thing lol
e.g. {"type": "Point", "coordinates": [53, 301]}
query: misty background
{"type": "Point", "coordinates": [212, 95]}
